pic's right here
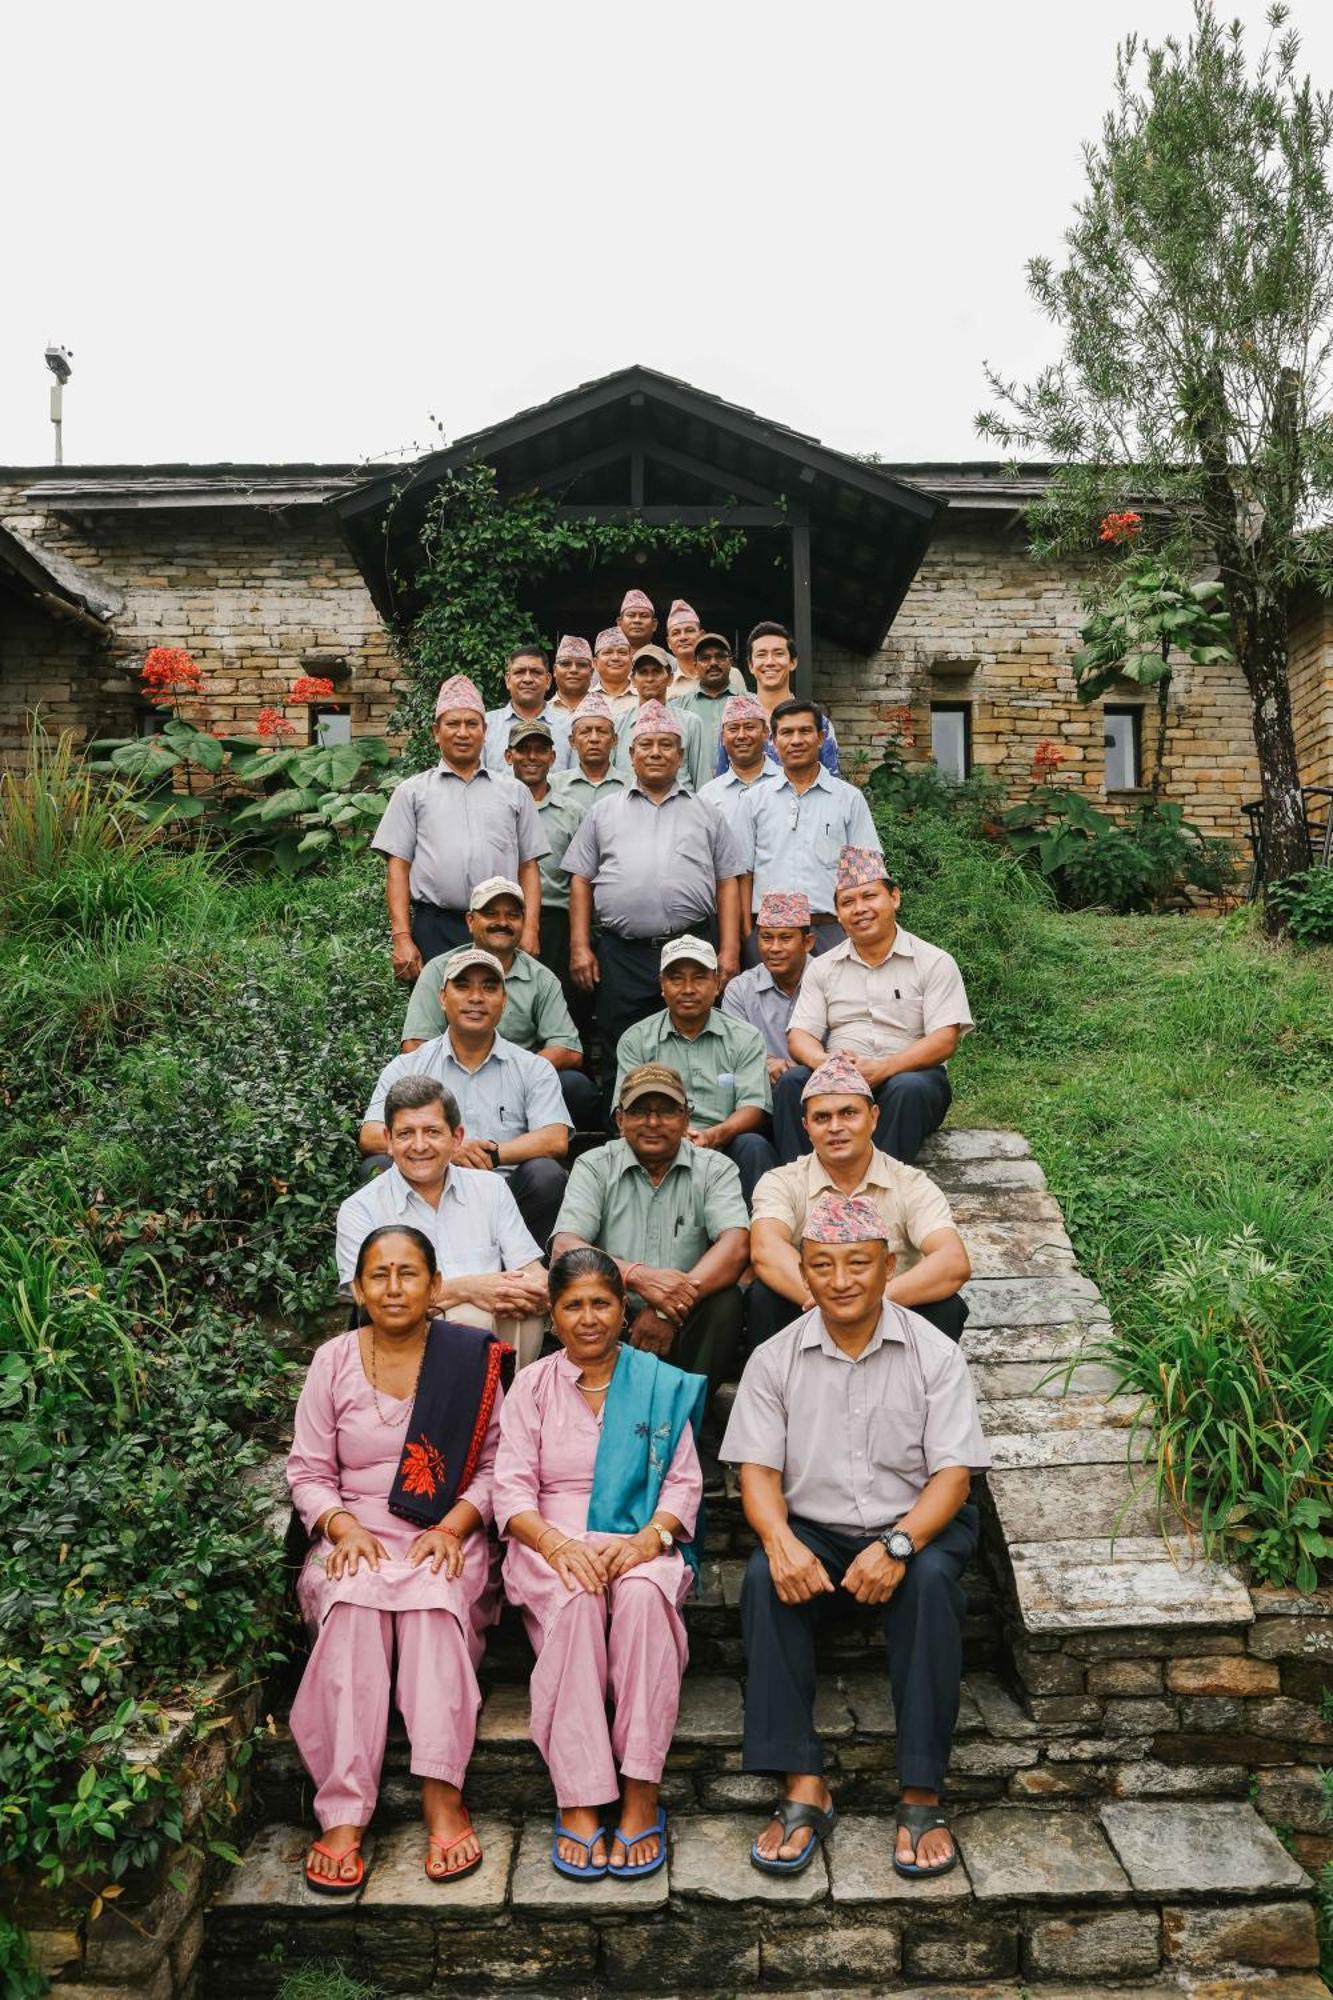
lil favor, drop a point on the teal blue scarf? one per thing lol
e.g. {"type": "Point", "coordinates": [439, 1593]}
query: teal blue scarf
{"type": "Point", "coordinates": [647, 1408]}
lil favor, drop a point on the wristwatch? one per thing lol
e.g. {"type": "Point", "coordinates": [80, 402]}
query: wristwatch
{"type": "Point", "coordinates": [493, 1149]}
{"type": "Point", "coordinates": [664, 1535]}
{"type": "Point", "coordinates": [899, 1544]}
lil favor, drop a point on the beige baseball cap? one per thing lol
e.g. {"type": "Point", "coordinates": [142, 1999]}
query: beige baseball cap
{"type": "Point", "coordinates": [696, 949]}
{"type": "Point", "coordinates": [461, 961]}
{"type": "Point", "coordinates": [487, 891]}
{"type": "Point", "coordinates": [653, 1080]}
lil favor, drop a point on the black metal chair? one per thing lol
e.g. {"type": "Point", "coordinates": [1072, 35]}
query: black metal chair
{"type": "Point", "coordinates": [1318, 804]}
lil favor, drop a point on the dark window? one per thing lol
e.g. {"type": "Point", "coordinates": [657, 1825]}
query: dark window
{"type": "Point", "coordinates": [1122, 736]}
{"type": "Point", "coordinates": [951, 738]}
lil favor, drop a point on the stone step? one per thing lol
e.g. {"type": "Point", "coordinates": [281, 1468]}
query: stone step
{"type": "Point", "coordinates": [1157, 1894]}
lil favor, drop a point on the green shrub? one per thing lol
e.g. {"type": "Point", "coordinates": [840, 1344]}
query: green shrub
{"type": "Point", "coordinates": [1306, 901]}
{"type": "Point", "coordinates": [1146, 861]}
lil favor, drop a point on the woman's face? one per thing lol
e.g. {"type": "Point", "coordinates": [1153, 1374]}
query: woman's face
{"type": "Point", "coordinates": [588, 1319]}
{"type": "Point", "coordinates": [395, 1287]}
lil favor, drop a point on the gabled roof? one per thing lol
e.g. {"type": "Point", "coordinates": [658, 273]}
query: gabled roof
{"type": "Point", "coordinates": [54, 581]}
{"type": "Point", "coordinates": [645, 441]}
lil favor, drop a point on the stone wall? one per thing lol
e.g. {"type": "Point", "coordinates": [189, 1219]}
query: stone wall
{"type": "Point", "coordinates": [57, 668]}
{"type": "Point", "coordinates": [1310, 650]}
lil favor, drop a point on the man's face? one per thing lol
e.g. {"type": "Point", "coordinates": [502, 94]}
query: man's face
{"type": "Point", "coordinates": [573, 677]}
{"type": "Point", "coordinates": [638, 627]}
{"type": "Point", "coordinates": [744, 741]}
{"type": "Point", "coordinates": [841, 1128]}
{"type": "Point", "coordinates": [530, 760]}
{"type": "Point", "coordinates": [496, 928]}
{"type": "Point", "coordinates": [594, 740]}
{"type": "Point", "coordinates": [654, 1128]}
{"type": "Point", "coordinates": [459, 735]}
{"type": "Point", "coordinates": [526, 681]}
{"type": "Point", "coordinates": [650, 680]}
{"type": "Point", "coordinates": [784, 951]}
{"type": "Point", "coordinates": [474, 1001]}
{"type": "Point", "coordinates": [771, 662]}
{"type": "Point", "coordinates": [689, 991]}
{"type": "Point", "coordinates": [796, 740]}
{"type": "Point", "coordinates": [656, 759]}
{"type": "Point", "coordinates": [714, 669]}
{"type": "Point", "coordinates": [681, 635]}
{"type": "Point", "coordinates": [868, 913]}
{"type": "Point", "coordinates": [613, 667]}
{"type": "Point", "coordinates": [421, 1144]}
{"type": "Point", "coordinates": [846, 1280]}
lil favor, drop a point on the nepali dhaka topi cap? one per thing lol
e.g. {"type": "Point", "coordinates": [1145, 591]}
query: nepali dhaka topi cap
{"type": "Point", "coordinates": [459, 694]}
{"type": "Point", "coordinates": [530, 725]}
{"type": "Point", "coordinates": [571, 647]}
{"type": "Point", "coordinates": [593, 708]}
{"type": "Point", "coordinates": [681, 613]}
{"type": "Point", "coordinates": [782, 912]}
{"type": "Point", "coordinates": [837, 1076]}
{"type": "Point", "coordinates": [653, 1080]}
{"type": "Point", "coordinates": [744, 708]}
{"type": "Point", "coordinates": [611, 639]}
{"type": "Point", "coordinates": [844, 1218]}
{"type": "Point", "coordinates": [493, 887]}
{"type": "Point", "coordinates": [462, 961]}
{"type": "Point", "coordinates": [696, 949]}
{"type": "Point", "coordinates": [654, 718]}
{"type": "Point", "coordinates": [636, 600]}
{"type": "Point", "coordinates": [858, 866]}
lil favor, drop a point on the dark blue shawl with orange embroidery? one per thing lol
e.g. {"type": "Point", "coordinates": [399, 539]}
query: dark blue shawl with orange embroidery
{"type": "Point", "coordinates": [461, 1370]}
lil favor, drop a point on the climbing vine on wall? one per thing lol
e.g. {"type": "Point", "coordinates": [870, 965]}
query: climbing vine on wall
{"type": "Point", "coordinates": [482, 554]}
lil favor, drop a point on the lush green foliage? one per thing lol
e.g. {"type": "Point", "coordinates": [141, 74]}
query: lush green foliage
{"type": "Point", "coordinates": [1307, 901]}
{"type": "Point", "coordinates": [325, 1982]}
{"type": "Point", "coordinates": [1095, 861]}
{"type": "Point", "coordinates": [1175, 1079]}
{"type": "Point", "coordinates": [481, 556]}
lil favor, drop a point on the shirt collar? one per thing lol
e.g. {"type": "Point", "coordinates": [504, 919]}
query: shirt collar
{"type": "Point", "coordinates": [443, 770]}
{"type": "Point", "coordinates": [634, 786]}
{"type": "Point", "coordinates": [816, 1334]}
{"type": "Point", "coordinates": [878, 1174]}
{"type": "Point", "coordinates": [400, 1191]}
{"type": "Point", "coordinates": [903, 946]}
{"type": "Point", "coordinates": [633, 1165]}
{"type": "Point", "coordinates": [665, 1026]}
{"type": "Point", "coordinates": [499, 1051]}
{"type": "Point", "coordinates": [822, 783]}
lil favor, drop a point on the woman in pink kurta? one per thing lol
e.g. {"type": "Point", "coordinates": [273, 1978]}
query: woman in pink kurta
{"type": "Point", "coordinates": [374, 1579]}
{"type": "Point", "coordinates": [602, 1609]}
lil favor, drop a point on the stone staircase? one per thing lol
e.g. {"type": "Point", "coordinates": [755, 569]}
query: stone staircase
{"type": "Point", "coordinates": [1120, 1697]}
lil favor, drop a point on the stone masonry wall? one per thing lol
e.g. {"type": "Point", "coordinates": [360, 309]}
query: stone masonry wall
{"type": "Point", "coordinates": [1310, 651]}
{"type": "Point", "coordinates": [55, 667]}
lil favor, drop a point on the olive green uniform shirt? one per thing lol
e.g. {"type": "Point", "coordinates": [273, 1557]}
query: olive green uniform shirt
{"type": "Point", "coordinates": [723, 1068]}
{"type": "Point", "coordinates": [535, 1014]}
{"type": "Point", "coordinates": [561, 816]}
{"type": "Point", "coordinates": [610, 1201]}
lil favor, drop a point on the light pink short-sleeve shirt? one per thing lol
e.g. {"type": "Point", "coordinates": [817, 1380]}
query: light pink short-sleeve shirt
{"type": "Point", "coordinates": [875, 1010]}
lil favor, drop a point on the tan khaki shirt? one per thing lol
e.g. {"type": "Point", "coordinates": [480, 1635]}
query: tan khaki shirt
{"type": "Point", "coordinates": [875, 1010]}
{"type": "Point", "coordinates": [909, 1202]}
{"type": "Point", "coordinates": [855, 1441]}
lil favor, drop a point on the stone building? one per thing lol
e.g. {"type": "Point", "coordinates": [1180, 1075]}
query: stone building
{"type": "Point", "coordinates": [910, 587]}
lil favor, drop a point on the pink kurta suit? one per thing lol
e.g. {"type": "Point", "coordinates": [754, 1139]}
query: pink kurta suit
{"type": "Point", "coordinates": [344, 1455]}
{"type": "Point", "coordinates": [548, 1446]}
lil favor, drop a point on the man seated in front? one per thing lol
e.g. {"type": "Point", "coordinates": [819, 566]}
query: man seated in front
{"type": "Point", "coordinates": [509, 1099]}
{"type": "Point", "coordinates": [765, 995]}
{"type": "Point", "coordinates": [893, 1003]}
{"type": "Point", "coordinates": [928, 1264]}
{"type": "Point", "coordinates": [536, 1015]}
{"type": "Point", "coordinates": [673, 1217]}
{"type": "Point", "coordinates": [856, 1431]}
{"type": "Point", "coordinates": [491, 1273]}
{"type": "Point", "coordinates": [721, 1061]}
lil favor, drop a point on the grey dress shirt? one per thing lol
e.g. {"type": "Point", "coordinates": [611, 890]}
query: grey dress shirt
{"type": "Point", "coordinates": [755, 997]}
{"type": "Point", "coordinates": [654, 868]}
{"type": "Point", "coordinates": [499, 722]}
{"type": "Point", "coordinates": [458, 831]}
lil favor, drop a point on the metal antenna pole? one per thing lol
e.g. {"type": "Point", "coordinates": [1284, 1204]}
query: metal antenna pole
{"type": "Point", "coordinates": [57, 397]}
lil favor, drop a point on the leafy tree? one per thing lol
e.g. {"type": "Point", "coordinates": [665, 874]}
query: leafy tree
{"type": "Point", "coordinates": [1196, 304]}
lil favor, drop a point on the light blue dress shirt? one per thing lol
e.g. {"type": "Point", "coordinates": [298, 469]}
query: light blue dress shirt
{"type": "Point", "coordinates": [499, 722]}
{"type": "Point", "coordinates": [475, 1229]}
{"type": "Point", "coordinates": [513, 1092]}
{"type": "Point", "coordinates": [729, 793]}
{"type": "Point", "coordinates": [791, 840]}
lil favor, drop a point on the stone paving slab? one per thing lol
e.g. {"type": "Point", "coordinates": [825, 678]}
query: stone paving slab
{"type": "Point", "coordinates": [1037, 1504]}
{"type": "Point", "coordinates": [871, 1705]}
{"type": "Point", "coordinates": [1101, 1445]}
{"type": "Point", "coordinates": [1019, 1250]}
{"type": "Point", "coordinates": [504, 1715]}
{"type": "Point", "coordinates": [538, 1890]}
{"type": "Point", "coordinates": [987, 1174]}
{"type": "Point", "coordinates": [998, 1381]}
{"type": "Point", "coordinates": [399, 1875]}
{"type": "Point", "coordinates": [1069, 1586]}
{"type": "Point", "coordinates": [1051, 1857]}
{"type": "Point", "coordinates": [711, 1710]}
{"type": "Point", "coordinates": [271, 1877]}
{"type": "Point", "coordinates": [1056, 1346]}
{"type": "Point", "coordinates": [975, 1142]}
{"type": "Point", "coordinates": [1172, 1848]}
{"type": "Point", "coordinates": [861, 1870]}
{"type": "Point", "coordinates": [1053, 1301]}
{"type": "Point", "coordinates": [1017, 1204]}
{"type": "Point", "coordinates": [710, 1858]}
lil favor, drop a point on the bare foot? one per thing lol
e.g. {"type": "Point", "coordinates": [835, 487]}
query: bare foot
{"type": "Point", "coordinates": [446, 1817]}
{"type": "Point", "coordinates": [339, 1865]}
{"type": "Point", "coordinates": [933, 1847]}
{"type": "Point", "coordinates": [583, 1820]}
{"type": "Point", "coordinates": [638, 1811]}
{"type": "Point", "coordinates": [803, 1791]}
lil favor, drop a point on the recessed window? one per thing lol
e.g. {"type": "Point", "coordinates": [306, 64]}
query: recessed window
{"type": "Point", "coordinates": [330, 725]}
{"type": "Point", "coordinates": [1121, 735]}
{"type": "Point", "coordinates": [951, 738]}
{"type": "Point", "coordinates": [151, 721]}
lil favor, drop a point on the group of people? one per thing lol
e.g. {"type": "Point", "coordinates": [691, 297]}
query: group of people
{"type": "Point", "coordinates": [638, 899]}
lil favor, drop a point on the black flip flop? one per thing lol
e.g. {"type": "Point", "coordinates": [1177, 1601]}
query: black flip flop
{"type": "Point", "coordinates": [919, 1821]}
{"type": "Point", "coordinates": [793, 1818]}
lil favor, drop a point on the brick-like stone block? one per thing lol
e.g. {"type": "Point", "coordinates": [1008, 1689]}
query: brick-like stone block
{"type": "Point", "coordinates": [1237, 1675]}
{"type": "Point", "coordinates": [1293, 1796]}
{"type": "Point", "coordinates": [1125, 1677]}
{"type": "Point", "coordinates": [972, 1948]}
{"type": "Point", "coordinates": [1138, 1718]}
{"type": "Point", "coordinates": [516, 1955]}
{"type": "Point", "coordinates": [1293, 1638]}
{"type": "Point", "coordinates": [1279, 1935]}
{"type": "Point", "coordinates": [639, 1957]}
{"type": "Point", "coordinates": [862, 1953]}
{"type": "Point", "coordinates": [1106, 1944]}
{"type": "Point", "coordinates": [1054, 1673]}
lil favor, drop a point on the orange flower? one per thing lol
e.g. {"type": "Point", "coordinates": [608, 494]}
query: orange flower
{"type": "Point", "coordinates": [272, 722]}
{"type": "Point", "coordinates": [311, 687]}
{"type": "Point", "coordinates": [169, 670]}
{"type": "Point", "coordinates": [1121, 528]}
{"type": "Point", "coordinates": [423, 1468]}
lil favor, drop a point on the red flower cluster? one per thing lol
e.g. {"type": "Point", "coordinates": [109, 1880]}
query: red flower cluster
{"type": "Point", "coordinates": [1121, 528]}
{"type": "Point", "coordinates": [169, 670]}
{"type": "Point", "coordinates": [311, 687]}
{"type": "Point", "coordinates": [1045, 758]}
{"type": "Point", "coordinates": [901, 723]}
{"type": "Point", "coordinates": [272, 722]}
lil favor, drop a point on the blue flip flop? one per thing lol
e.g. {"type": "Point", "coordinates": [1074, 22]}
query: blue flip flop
{"type": "Point", "coordinates": [793, 1818]}
{"type": "Point", "coordinates": [588, 1871]}
{"type": "Point", "coordinates": [657, 1831]}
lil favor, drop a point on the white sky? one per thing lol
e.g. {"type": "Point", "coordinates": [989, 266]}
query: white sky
{"type": "Point", "coordinates": [301, 231]}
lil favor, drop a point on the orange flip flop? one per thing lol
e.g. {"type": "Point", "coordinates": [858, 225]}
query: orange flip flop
{"type": "Point", "coordinates": [324, 1885]}
{"type": "Point", "coordinates": [446, 1848]}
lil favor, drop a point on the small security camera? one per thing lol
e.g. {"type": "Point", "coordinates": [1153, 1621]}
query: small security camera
{"type": "Point", "coordinates": [58, 361]}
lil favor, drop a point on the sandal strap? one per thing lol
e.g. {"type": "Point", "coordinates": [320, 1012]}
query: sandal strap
{"type": "Point", "coordinates": [348, 1853]}
{"type": "Point", "coordinates": [656, 1831]}
{"type": "Point", "coordinates": [448, 1846]}
{"type": "Point", "coordinates": [794, 1816]}
{"type": "Point", "coordinates": [562, 1832]}
{"type": "Point", "coordinates": [922, 1819]}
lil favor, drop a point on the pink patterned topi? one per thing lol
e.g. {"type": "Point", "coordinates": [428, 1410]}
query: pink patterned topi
{"type": "Point", "coordinates": [681, 613]}
{"type": "Point", "coordinates": [459, 694]}
{"type": "Point", "coordinates": [844, 1218]}
{"type": "Point", "coordinates": [837, 1076]}
{"type": "Point", "coordinates": [610, 640]}
{"type": "Point", "coordinates": [636, 600]}
{"type": "Point", "coordinates": [859, 865]}
{"type": "Point", "coordinates": [573, 649]}
{"type": "Point", "coordinates": [778, 912]}
{"type": "Point", "coordinates": [593, 708]}
{"type": "Point", "coordinates": [743, 708]}
{"type": "Point", "coordinates": [654, 718]}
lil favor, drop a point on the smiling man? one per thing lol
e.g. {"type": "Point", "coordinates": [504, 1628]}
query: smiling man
{"type": "Point", "coordinates": [528, 685]}
{"type": "Point", "coordinates": [491, 1272]}
{"type": "Point", "coordinates": [612, 654]}
{"type": "Point", "coordinates": [856, 1431]}
{"type": "Point", "coordinates": [765, 995]}
{"type": "Point", "coordinates": [892, 1002]}
{"type": "Point", "coordinates": [650, 672]}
